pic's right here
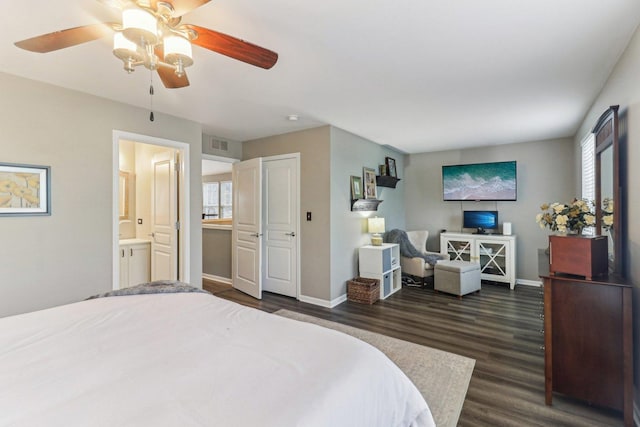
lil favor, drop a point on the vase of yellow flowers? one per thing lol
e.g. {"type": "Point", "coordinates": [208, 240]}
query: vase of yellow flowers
{"type": "Point", "coordinates": [607, 213]}
{"type": "Point", "coordinates": [568, 218]}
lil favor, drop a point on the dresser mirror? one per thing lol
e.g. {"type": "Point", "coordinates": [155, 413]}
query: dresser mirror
{"type": "Point", "coordinates": [609, 205]}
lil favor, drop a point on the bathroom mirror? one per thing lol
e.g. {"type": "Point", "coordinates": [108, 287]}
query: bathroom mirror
{"type": "Point", "coordinates": [123, 195]}
{"type": "Point", "coordinates": [609, 205]}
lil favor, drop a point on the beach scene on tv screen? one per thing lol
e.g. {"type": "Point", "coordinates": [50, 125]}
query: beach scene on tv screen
{"type": "Point", "coordinates": [481, 181]}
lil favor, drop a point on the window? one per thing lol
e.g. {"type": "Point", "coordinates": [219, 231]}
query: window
{"type": "Point", "coordinates": [226, 203]}
{"type": "Point", "coordinates": [588, 167]}
{"type": "Point", "coordinates": [210, 200]}
{"type": "Point", "coordinates": [217, 200]}
{"type": "Point", "coordinates": [588, 146]}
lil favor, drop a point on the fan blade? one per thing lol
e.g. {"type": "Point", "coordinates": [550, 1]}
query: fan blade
{"type": "Point", "coordinates": [180, 7]}
{"type": "Point", "coordinates": [233, 47]}
{"type": "Point", "coordinates": [170, 79]}
{"type": "Point", "coordinates": [66, 38]}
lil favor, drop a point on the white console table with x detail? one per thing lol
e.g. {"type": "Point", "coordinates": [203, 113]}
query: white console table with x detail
{"type": "Point", "coordinates": [495, 253]}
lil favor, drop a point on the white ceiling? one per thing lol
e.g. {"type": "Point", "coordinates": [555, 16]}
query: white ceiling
{"type": "Point", "coordinates": [419, 75]}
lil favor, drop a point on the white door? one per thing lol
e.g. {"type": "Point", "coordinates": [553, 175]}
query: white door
{"type": "Point", "coordinates": [280, 225]}
{"type": "Point", "coordinates": [247, 227]}
{"type": "Point", "coordinates": [164, 227]}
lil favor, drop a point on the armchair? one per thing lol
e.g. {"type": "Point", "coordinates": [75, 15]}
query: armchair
{"type": "Point", "coordinates": [417, 266]}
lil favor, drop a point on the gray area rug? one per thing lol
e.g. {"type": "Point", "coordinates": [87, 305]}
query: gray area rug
{"type": "Point", "coordinates": [441, 377]}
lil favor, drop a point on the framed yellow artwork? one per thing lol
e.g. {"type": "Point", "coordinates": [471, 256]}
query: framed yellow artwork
{"type": "Point", "coordinates": [25, 190]}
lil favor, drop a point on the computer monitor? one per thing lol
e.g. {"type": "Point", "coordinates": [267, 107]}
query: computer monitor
{"type": "Point", "coordinates": [480, 220]}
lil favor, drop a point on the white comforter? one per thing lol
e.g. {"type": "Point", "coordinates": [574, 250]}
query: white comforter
{"type": "Point", "coordinates": [192, 359]}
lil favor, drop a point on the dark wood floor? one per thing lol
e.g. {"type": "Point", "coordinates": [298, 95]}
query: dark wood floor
{"type": "Point", "coordinates": [499, 328]}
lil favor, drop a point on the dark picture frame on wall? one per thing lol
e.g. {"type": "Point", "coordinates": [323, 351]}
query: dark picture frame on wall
{"type": "Point", "coordinates": [25, 190]}
{"type": "Point", "coordinates": [391, 166]}
{"type": "Point", "coordinates": [356, 187]}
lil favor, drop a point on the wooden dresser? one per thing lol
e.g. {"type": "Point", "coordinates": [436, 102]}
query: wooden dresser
{"type": "Point", "coordinates": [588, 340]}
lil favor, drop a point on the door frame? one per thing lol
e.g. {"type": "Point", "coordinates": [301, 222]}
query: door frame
{"type": "Point", "coordinates": [220, 159]}
{"type": "Point", "coordinates": [184, 201]}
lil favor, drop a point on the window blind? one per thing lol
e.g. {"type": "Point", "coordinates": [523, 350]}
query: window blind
{"type": "Point", "coordinates": [588, 167]}
{"type": "Point", "coordinates": [588, 145]}
{"type": "Point", "coordinates": [210, 199]}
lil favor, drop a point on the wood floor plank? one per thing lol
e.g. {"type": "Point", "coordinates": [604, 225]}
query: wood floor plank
{"type": "Point", "coordinates": [499, 327]}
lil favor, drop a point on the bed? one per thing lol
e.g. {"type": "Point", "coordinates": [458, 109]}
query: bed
{"type": "Point", "coordinates": [192, 359]}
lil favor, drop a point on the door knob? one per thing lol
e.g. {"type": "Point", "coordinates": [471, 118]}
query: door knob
{"type": "Point", "coordinates": [257, 234]}
{"type": "Point", "coordinates": [292, 234]}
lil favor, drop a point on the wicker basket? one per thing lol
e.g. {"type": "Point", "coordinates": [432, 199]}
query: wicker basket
{"type": "Point", "coordinates": [363, 290]}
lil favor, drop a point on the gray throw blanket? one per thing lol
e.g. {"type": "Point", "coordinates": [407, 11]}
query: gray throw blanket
{"type": "Point", "coordinates": [407, 249]}
{"type": "Point", "coordinates": [157, 287]}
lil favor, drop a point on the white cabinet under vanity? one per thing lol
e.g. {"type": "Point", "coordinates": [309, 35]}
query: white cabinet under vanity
{"type": "Point", "coordinates": [135, 262]}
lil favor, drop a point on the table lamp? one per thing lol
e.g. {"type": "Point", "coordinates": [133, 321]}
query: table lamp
{"type": "Point", "coordinates": [376, 226]}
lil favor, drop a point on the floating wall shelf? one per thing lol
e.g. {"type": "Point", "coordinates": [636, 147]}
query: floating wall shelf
{"type": "Point", "coordinates": [386, 181]}
{"type": "Point", "coordinates": [365, 204]}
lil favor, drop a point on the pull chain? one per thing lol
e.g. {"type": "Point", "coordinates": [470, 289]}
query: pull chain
{"type": "Point", "coordinates": [151, 118]}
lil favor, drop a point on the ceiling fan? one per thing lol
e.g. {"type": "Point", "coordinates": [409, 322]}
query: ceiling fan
{"type": "Point", "coordinates": [151, 34]}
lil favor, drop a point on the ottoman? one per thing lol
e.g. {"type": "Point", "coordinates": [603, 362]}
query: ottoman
{"type": "Point", "coordinates": [457, 277]}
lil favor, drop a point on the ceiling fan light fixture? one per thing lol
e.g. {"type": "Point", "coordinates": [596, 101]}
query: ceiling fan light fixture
{"type": "Point", "coordinates": [140, 26]}
{"type": "Point", "coordinates": [177, 50]}
{"type": "Point", "coordinates": [151, 35]}
{"type": "Point", "coordinates": [124, 48]}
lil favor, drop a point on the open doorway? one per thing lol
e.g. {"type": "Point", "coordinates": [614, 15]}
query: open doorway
{"type": "Point", "coordinates": [151, 209]}
{"type": "Point", "coordinates": [217, 208]}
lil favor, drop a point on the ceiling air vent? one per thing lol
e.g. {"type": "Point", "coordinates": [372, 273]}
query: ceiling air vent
{"type": "Point", "coordinates": [218, 144]}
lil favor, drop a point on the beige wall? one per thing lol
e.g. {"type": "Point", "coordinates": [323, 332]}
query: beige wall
{"type": "Point", "coordinates": [217, 178]}
{"type": "Point", "coordinates": [622, 89]}
{"type": "Point", "coordinates": [314, 148]}
{"type": "Point", "coordinates": [66, 257]}
{"type": "Point", "coordinates": [216, 252]}
{"type": "Point", "coordinates": [545, 174]}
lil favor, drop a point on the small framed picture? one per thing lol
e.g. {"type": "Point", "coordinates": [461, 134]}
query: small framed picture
{"type": "Point", "coordinates": [370, 189]}
{"type": "Point", "coordinates": [356, 187]}
{"type": "Point", "coordinates": [25, 190]}
{"type": "Point", "coordinates": [391, 166]}
{"type": "Point", "coordinates": [382, 169]}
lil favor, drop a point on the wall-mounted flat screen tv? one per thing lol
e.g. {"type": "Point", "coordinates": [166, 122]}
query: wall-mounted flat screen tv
{"type": "Point", "coordinates": [480, 181]}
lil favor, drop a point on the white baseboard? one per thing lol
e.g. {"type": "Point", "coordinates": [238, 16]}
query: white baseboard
{"type": "Point", "coordinates": [220, 279]}
{"type": "Point", "coordinates": [303, 298]}
{"type": "Point", "coordinates": [323, 302]}
{"type": "Point", "coordinates": [342, 298]}
{"type": "Point", "coordinates": [525, 282]}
